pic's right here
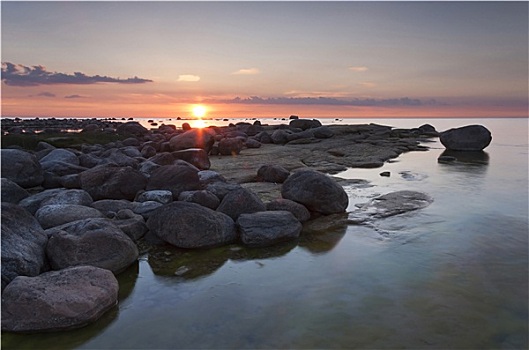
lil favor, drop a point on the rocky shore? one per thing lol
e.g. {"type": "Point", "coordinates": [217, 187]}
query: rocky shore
{"type": "Point", "coordinates": [74, 217]}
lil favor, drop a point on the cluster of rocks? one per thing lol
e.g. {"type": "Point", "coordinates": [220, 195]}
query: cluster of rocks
{"type": "Point", "coordinates": [72, 218]}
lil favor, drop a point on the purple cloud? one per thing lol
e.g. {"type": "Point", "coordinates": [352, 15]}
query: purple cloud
{"type": "Point", "coordinates": [403, 101]}
{"type": "Point", "coordinates": [74, 96]}
{"type": "Point", "coordinates": [43, 94]}
{"type": "Point", "coordinates": [20, 75]}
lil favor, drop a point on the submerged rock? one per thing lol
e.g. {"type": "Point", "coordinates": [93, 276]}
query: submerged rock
{"type": "Point", "coordinates": [393, 203]}
{"type": "Point", "coordinates": [58, 300]}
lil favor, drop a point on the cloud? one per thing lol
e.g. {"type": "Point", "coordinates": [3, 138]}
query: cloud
{"type": "Point", "coordinates": [43, 94]}
{"type": "Point", "coordinates": [74, 96]}
{"type": "Point", "coordinates": [330, 101]}
{"type": "Point", "coordinates": [188, 77]}
{"type": "Point", "coordinates": [20, 75]}
{"type": "Point", "coordinates": [358, 68]}
{"type": "Point", "coordinates": [248, 71]}
{"type": "Point", "coordinates": [367, 84]}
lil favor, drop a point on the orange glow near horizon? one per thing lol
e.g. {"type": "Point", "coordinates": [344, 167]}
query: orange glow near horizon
{"type": "Point", "coordinates": [199, 111]}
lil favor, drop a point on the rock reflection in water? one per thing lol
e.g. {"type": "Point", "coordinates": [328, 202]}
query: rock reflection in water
{"type": "Point", "coordinates": [474, 157]}
{"type": "Point", "coordinates": [323, 234]}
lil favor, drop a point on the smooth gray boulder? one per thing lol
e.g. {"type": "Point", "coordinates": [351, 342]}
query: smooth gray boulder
{"type": "Point", "coordinates": [23, 244]}
{"type": "Point", "coordinates": [466, 138]}
{"type": "Point", "coordinates": [239, 202]}
{"type": "Point", "coordinates": [316, 191]}
{"type": "Point", "coordinates": [59, 155]}
{"type": "Point", "coordinates": [112, 182]}
{"type": "Point", "coordinates": [95, 242]}
{"type": "Point", "coordinates": [58, 214]}
{"type": "Point", "coordinates": [266, 228]}
{"type": "Point", "coordinates": [58, 300]}
{"type": "Point", "coordinates": [11, 192]}
{"type": "Point", "coordinates": [190, 225]}
{"type": "Point", "coordinates": [298, 210]}
{"type": "Point", "coordinates": [69, 196]}
{"type": "Point", "coordinates": [21, 167]}
{"type": "Point", "coordinates": [160, 196]}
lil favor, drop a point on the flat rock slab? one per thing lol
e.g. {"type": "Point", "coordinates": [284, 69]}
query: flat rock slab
{"type": "Point", "coordinates": [392, 204]}
{"type": "Point", "coordinates": [58, 300]}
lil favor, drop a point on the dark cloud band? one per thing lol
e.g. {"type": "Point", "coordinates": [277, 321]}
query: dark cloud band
{"type": "Point", "coordinates": [20, 75]}
{"type": "Point", "coordinates": [404, 101]}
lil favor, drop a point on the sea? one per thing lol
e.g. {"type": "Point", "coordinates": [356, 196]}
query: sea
{"type": "Point", "coordinates": [453, 275]}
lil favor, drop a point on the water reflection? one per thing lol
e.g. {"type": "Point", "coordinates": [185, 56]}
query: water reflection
{"type": "Point", "coordinates": [474, 157]}
{"type": "Point", "coordinates": [323, 234]}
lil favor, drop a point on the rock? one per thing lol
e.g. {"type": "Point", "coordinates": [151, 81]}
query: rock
{"type": "Point", "coordinates": [194, 138]}
{"type": "Point", "coordinates": [131, 141]}
{"type": "Point", "coordinates": [175, 178]}
{"type": "Point", "coordinates": [131, 128]}
{"type": "Point", "coordinates": [58, 214]}
{"type": "Point", "coordinates": [110, 207]}
{"type": "Point", "coordinates": [59, 155]}
{"type": "Point", "coordinates": [264, 137]}
{"type": "Point", "coordinates": [21, 167]}
{"type": "Point", "coordinates": [279, 137]}
{"type": "Point", "coordinates": [196, 156]}
{"type": "Point", "coordinates": [299, 211]}
{"type": "Point", "coordinates": [160, 196]}
{"type": "Point", "coordinates": [467, 138]}
{"type": "Point", "coordinates": [221, 189]}
{"type": "Point", "coordinates": [23, 244]}
{"type": "Point", "coordinates": [58, 300]}
{"type": "Point", "coordinates": [272, 173]}
{"type": "Point", "coordinates": [60, 168]}
{"type": "Point", "coordinates": [395, 203]}
{"type": "Point", "coordinates": [323, 132]}
{"type": "Point", "coordinates": [117, 157]}
{"type": "Point", "coordinates": [252, 143]}
{"type": "Point", "coordinates": [267, 228]}
{"type": "Point", "coordinates": [95, 242]}
{"type": "Point", "coordinates": [11, 192]}
{"type": "Point", "coordinates": [316, 191]}
{"type": "Point", "coordinates": [385, 173]}
{"type": "Point", "coordinates": [69, 196]}
{"type": "Point", "coordinates": [239, 202]}
{"type": "Point", "coordinates": [427, 129]}
{"type": "Point", "coordinates": [33, 202]}
{"type": "Point", "coordinates": [148, 151]}
{"type": "Point", "coordinates": [230, 146]}
{"type": "Point", "coordinates": [111, 182]}
{"type": "Point", "coordinates": [145, 208]}
{"type": "Point", "coordinates": [177, 223]}
{"type": "Point", "coordinates": [305, 124]}
{"type": "Point", "coordinates": [133, 225]}
{"type": "Point", "coordinates": [202, 197]}
{"type": "Point", "coordinates": [446, 159]}
{"type": "Point", "coordinates": [209, 176]}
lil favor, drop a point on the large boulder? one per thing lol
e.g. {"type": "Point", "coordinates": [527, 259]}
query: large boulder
{"type": "Point", "coordinates": [95, 242]}
{"type": "Point", "coordinates": [267, 228]}
{"type": "Point", "coordinates": [316, 191]}
{"type": "Point", "coordinates": [58, 300]}
{"type": "Point", "coordinates": [305, 124]}
{"type": "Point", "coordinates": [240, 201]}
{"type": "Point", "coordinates": [23, 244]}
{"type": "Point", "coordinates": [202, 197]}
{"type": "Point", "coordinates": [11, 192]}
{"type": "Point", "coordinates": [131, 128]}
{"type": "Point", "coordinates": [59, 155]}
{"type": "Point", "coordinates": [21, 167]}
{"type": "Point", "coordinates": [34, 202]}
{"type": "Point", "coordinates": [69, 196]}
{"type": "Point", "coordinates": [175, 178]}
{"type": "Point", "coordinates": [190, 225]}
{"type": "Point", "coordinates": [58, 214]}
{"type": "Point", "coordinates": [160, 196]}
{"type": "Point", "coordinates": [231, 146]}
{"type": "Point", "coordinates": [194, 138]}
{"type": "Point", "coordinates": [466, 138]}
{"type": "Point", "coordinates": [111, 182]}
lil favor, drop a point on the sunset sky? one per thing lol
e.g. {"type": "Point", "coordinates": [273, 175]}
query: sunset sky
{"type": "Point", "coordinates": [264, 59]}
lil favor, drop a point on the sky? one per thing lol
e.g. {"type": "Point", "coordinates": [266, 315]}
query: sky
{"type": "Point", "coordinates": [264, 59]}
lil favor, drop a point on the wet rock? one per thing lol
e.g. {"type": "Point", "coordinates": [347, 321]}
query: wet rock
{"type": "Point", "coordinates": [299, 211]}
{"type": "Point", "coordinates": [95, 242]}
{"type": "Point", "coordinates": [316, 191]}
{"type": "Point", "coordinates": [239, 202]}
{"type": "Point", "coordinates": [58, 300]}
{"type": "Point", "coordinates": [57, 214]}
{"type": "Point", "coordinates": [272, 173]}
{"type": "Point", "coordinates": [175, 178]}
{"type": "Point", "coordinates": [177, 223]}
{"type": "Point", "coordinates": [266, 228]}
{"type": "Point", "coordinates": [11, 192]}
{"type": "Point", "coordinates": [111, 182]}
{"type": "Point", "coordinates": [467, 138]}
{"type": "Point", "coordinates": [202, 197]}
{"type": "Point", "coordinates": [394, 203]}
{"type": "Point", "coordinates": [21, 167]}
{"type": "Point", "coordinates": [23, 244]}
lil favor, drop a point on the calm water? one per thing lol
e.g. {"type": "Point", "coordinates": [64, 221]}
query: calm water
{"type": "Point", "coordinates": [453, 275]}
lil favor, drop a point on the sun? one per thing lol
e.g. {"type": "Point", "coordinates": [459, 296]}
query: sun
{"type": "Point", "coordinates": [199, 111]}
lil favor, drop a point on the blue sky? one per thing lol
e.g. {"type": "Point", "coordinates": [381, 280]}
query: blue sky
{"type": "Point", "coordinates": [324, 58]}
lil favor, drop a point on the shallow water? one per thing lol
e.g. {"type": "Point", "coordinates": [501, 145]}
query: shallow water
{"type": "Point", "coordinates": [452, 275]}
